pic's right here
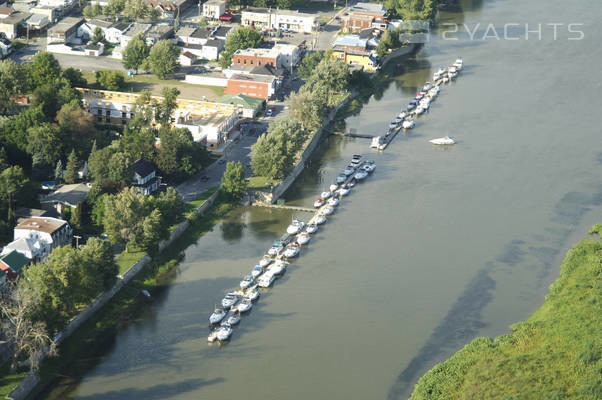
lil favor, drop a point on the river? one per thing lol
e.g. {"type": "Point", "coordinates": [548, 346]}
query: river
{"type": "Point", "coordinates": [437, 247]}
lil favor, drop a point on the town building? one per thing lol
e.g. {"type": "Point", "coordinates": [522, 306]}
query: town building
{"type": "Point", "coordinates": [132, 31]}
{"type": "Point", "coordinates": [30, 248]}
{"type": "Point", "coordinates": [256, 57]}
{"type": "Point", "coordinates": [247, 106]}
{"type": "Point", "coordinates": [167, 9]}
{"type": "Point", "coordinates": [363, 16]}
{"type": "Point", "coordinates": [10, 21]}
{"type": "Point", "coordinates": [221, 32]}
{"type": "Point", "coordinates": [11, 265]}
{"type": "Point", "coordinates": [66, 196]}
{"type": "Point", "coordinates": [146, 180]}
{"type": "Point", "coordinates": [356, 50]}
{"type": "Point", "coordinates": [186, 59]}
{"type": "Point", "coordinates": [290, 54]}
{"type": "Point", "coordinates": [48, 232]}
{"type": "Point", "coordinates": [259, 86]}
{"type": "Point", "coordinates": [65, 31]}
{"type": "Point", "coordinates": [157, 33]}
{"type": "Point", "coordinates": [286, 20]}
{"type": "Point", "coordinates": [37, 22]}
{"type": "Point", "coordinates": [212, 9]}
{"type": "Point", "coordinates": [52, 13]}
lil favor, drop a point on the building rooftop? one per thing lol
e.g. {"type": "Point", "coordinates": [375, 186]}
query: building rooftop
{"type": "Point", "coordinates": [22, 245]}
{"type": "Point", "coordinates": [257, 52]}
{"type": "Point", "coordinates": [253, 78]}
{"type": "Point", "coordinates": [350, 40]}
{"type": "Point", "coordinates": [372, 8]}
{"type": "Point", "coordinates": [136, 28]}
{"type": "Point", "coordinates": [200, 33]}
{"type": "Point", "coordinates": [215, 43]}
{"type": "Point", "coordinates": [159, 30]}
{"type": "Point", "coordinates": [6, 10]}
{"type": "Point", "coordinates": [186, 31]}
{"type": "Point", "coordinates": [65, 24]}
{"type": "Point", "coordinates": [68, 194]}
{"type": "Point", "coordinates": [215, 2]}
{"type": "Point", "coordinates": [241, 100]}
{"type": "Point", "coordinates": [15, 18]}
{"type": "Point", "coordinates": [276, 11]}
{"type": "Point", "coordinates": [15, 260]}
{"type": "Point", "coordinates": [144, 168]}
{"type": "Point", "coordinates": [221, 31]}
{"type": "Point", "coordinates": [41, 224]}
{"type": "Point", "coordinates": [23, 212]}
{"type": "Point", "coordinates": [121, 26]}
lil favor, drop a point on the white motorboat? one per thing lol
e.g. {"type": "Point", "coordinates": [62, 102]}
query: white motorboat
{"type": "Point", "coordinates": [393, 125]}
{"type": "Point", "coordinates": [426, 102]}
{"type": "Point", "coordinates": [427, 86]}
{"type": "Point", "coordinates": [320, 219]}
{"type": "Point", "coordinates": [265, 261]}
{"type": "Point", "coordinates": [212, 336]}
{"type": "Point", "coordinates": [369, 167]}
{"type": "Point", "coordinates": [420, 110]}
{"type": "Point", "coordinates": [266, 279]}
{"type": "Point", "coordinates": [359, 175]}
{"type": "Point", "coordinates": [445, 79]}
{"type": "Point", "coordinates": [229, 300]}
{"type": "Point", "coordinates": [412, 105]}
{"type": "Point", "coordinates": [246, 282]}
{"type": "Point", "coordinates": [318, 203]}
{"type": "Point", "coordinates": [303, 238]}
{"type": "Point", "coordinates": [234, 318]}
{"type": "Point", "coordinates": [325, 195]}
{"type": "Point", "coordinates": [333, 201]}
{"type": "Point", "coordinates": [452, 75]}
{"type": "Point", "coordinates": [349, 170]}
{"type": "Point", "coordinates": [244, 305]}
{"type": "Point", "coordinates": [333, 187]}
{"type": "Point", "coordinates": [443, 140]}
{"type": "Point", "coordinates": [376, 142]}
{"type": "Point", "coordinates": [398, 120]}
{"type": "Point", "coordinates": [257, 270]}
{"type": "Point", "coordinates": [408, 124]}
{"type": "Point", "coordinates": [292, 250]}
{"type": "Point", "coordinates": [402, 115]}
{"type": "Point", "coordinates": [459, 64]}
{"type": "Point", "coordinates": [252, 294]}
{"type": "Point", "coordinates": [275, 249]}
{"type": "Point", "coordinates": [341, 178]}
{"type": "Point", "coordinates": [356, 159]}
{"type": "Point", "coordinates": [344, 191]}
{"type": "Point", "coordinates": [277, 268]}
{"type": "Point", "coordinates": [218, 314]}
{"type": "Point", "coordinates": [311, 228]}
{"type": "Point", "coordinates": [327, 210]}
{"type": "Point", "coordinates": [224, 332]}
{"type": "Point", "coordinates": [295, 227]}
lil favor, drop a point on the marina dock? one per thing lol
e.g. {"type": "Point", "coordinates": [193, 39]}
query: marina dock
{"type": "Point", "coordinates": [284, 207]}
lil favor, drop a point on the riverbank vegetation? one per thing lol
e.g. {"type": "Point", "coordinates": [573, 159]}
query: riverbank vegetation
{"type": "Point", "coordinates": [555, 354]}
{"type": "Point", "coordinates": [412, 9]}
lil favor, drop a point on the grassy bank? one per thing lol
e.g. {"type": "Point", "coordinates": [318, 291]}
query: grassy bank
{"type": "Point", "coordinates": [555, 354]}
{"type": "Point", "coordinates": [80, 351]}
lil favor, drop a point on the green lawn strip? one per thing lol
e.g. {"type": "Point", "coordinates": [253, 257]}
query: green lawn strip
{"type": "Point", "coordinates": [260, 182]}
{"type": "Point", "coordinates": [9, 381]}
{"type": "Point", "coordinates": [555, 354]}
{"type": "Point", "coordinates": [126, 260]}
{"type": "Point", "coordinates": [80, 351]}
{"type": "Point", "coordinates": [191, 206]}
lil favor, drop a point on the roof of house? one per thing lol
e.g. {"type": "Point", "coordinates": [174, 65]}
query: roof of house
{"type": "Point", "coordinates": [143, 167]}
{"type": "Point", "coordinates": [215, 43]}
{"type": "Point", "coordinates": [215, 2]}
{"type": "Point", "coordinates": [100, 22]}
{"type": "Point", "coordinates": [200, 33]}
{"type": "Point", "coordinates": [41, 224]}
{"type": "Point", "coordinates": [241, 100]}
{"type": "Point", "coordinates": [66, 23]}
{"type": "Point", "coordinates": [159, 30]}
{"type": "Point", "coordinates": [121, 26]}
{"type": "Point", "coordinates": [22, 245]}
{"type": "Point", "coordinates": [37, 19]}
{"type": "Point", "coordinates": [135, 28]}
{"type": "Point", "coordinates": [186, 31]}
{"type": "Point", "coordinates": [257, 52]}
{"type": "Point", "coordinates": [372, 8]}
{"type": "Point", "coordinates": [93, 46]}
{"type": "Point", "coordinates": [6, 10]}
{"type": "Point", "coordinates": [221, 31]}
{"type": "Point", "coordinates": [253, 78]}
{"type": "Point", "coordinates": [68, 194]}
{"type": "Point", "coordinates": [350, 40]}
{"type": "Point", "coordinates": [24, 212]}
{"type": "Point", "coordinates": [15, 260]}
{"type": "Point", "coordinates": [188, 54]}
{"type": "Point", "coordinates": [266, 70]}
{"type": "Point", "coordinates": [15, 18]}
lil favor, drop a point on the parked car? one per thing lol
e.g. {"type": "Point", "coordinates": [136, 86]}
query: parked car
{"type": "Point", "coordinates": [226, 17]}
{"type": "Point", "coordinates": [204, 178]}
{"type": "Point", "coordinates": [269, 112]}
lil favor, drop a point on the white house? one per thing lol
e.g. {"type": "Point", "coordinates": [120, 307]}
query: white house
{"type": "Point", "coordinates": [132, 31]}
{"type": "Point", "coordinates": [263, 18]}
{"type": "Point", "coordinates": [289, 54]}
{"type": "Point", "coordinates": [212, 9]}
{"type": "Point", "coordinates": [48, 232]}
{"type": "Point", "coordinates": [145, 177]}
{"type": "Point", "coordinates": [187, 59]}
{"type": "Point", "coordinates": [86, 30]}
{"type": "Point", "coordinates": [29, 247]}
{"type": "Point", "coordinates": [6, 47]}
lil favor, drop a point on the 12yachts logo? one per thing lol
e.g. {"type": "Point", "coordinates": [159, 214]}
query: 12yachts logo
{"type": "Point", "coordinates": [515, 31]}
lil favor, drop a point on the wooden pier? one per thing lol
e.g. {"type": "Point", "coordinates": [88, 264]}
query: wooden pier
{"type": "Point", "coordinates": [284, 207]}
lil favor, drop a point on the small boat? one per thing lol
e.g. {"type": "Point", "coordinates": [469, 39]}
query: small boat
{"type": "Point", "coordinates": [441, 71]}
{"type": "Point", "coordinates": [452, 74]}
{"type": "Point", "coordinates": [398, 120]}
{"type": "Point", "coordinates": [275, 249]}
{"type": "Point", "coordinates": [408, 124]}
{"type": "Point", "coordinates": [459, 64]}
{"type": "Point", "coordinates": [376, 142]}
{"type": "Point", "coordinates": [333, 187]}
{"type": "Point", "coordinates": [342, 177]}
{"type": "Point", "coordinates": [427, 86]}
{"type": "Point", "coordinates": [327, 210]}
{"type": "Point", "coordinates": [311, 228]}
{"type": "Point", "coordinates": [443, 140]}
{"type": "Point", "coordinates": [234, 318]}
{"type": "Point", "coordinates": [425, 102]}
{"type": "Point", "coordinates": [452, 69]}
{"type": "Point", "coordinates": [292, 250]}
{"type": "Point", "coordinates": [445, 79]}
{"type": "Point", "coordinates": [257, 270]}
{"type": "Point", "coordinates": [361, 174]}
{"type": "Point", "coordinates": [420, 110]}
{"type": "Point", "coordinates": [277, 268]}
{"type": "Point", "coordinates": [356, 158]}
{"type": "Point", "coordinates": [218, 314]}
{"type": "Point", "coordinates": [369, 167]}
{"type": "Point", "coordinates": [318, 203]}
{"type": "Point", "coordinates": [224, 332]}
{"type": "Point", "coordinates": [265, 261]}
{"type": "Point", "coordinates": [303, 238]}
{"type": "Point", "coordinates": [252, 294]}
{"type": "Point", "coordinates": [320, 219]}
{"type": "Point", "coordinates": [412, 105]}
{"type": "Point", "coordinates": [246, 282]}
{"type": "Point", "coordinates": [244, 305]}
{"type": "Point", "coordinates": [402, 115]}
{"type": "Point", "coordinates": [344, 191]}
{"type": "Point", "coordinates": [325, 195]}
{"type": "Point", "coordinates": [266, 279]}
{"type": "Point", "coordinates": [351, 183]}
{"type": "Point", "coordinates": [295, 227]}
{"type": "Point", "coordinates": [349, 170]}
{"type": "Point", "coordinates": [212, 336]}
{"type": "Point", "coordinates": [229, 300]}
{"type": "Point", "coordinates": [333, 201]}
{"type": "Point", "coordinates": [393, 125]}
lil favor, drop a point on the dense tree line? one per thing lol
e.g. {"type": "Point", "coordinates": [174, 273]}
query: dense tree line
{"type": "Point", "coordinates": [412, 9]}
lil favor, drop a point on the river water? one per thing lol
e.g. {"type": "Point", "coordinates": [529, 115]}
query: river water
{"type": "Point", "coordinates": [437, 247]}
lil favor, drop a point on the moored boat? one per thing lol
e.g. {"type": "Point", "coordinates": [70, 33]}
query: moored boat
{"type": "Point", "coordinates": [369, 167]}
{"type": "Point", "coordinates": [320, 219]}
{"type": "Point", "coordinates": [344, 191]}
{"type": "Point", "coordinates": [266, 279]}
{"type": "Point", "coordinates": [292, 250]}
{"type": "Point", "coordinates": [359, 175]}
{"type": "Point", "coordinates": [408, 124]}
{"type": "Point", "coordinates": [312, 228]}
{"type": "Point", "coordinates": [324, 195]}
{"type": "Point", "coordinates": [234, 318]}
{"type": "Point", "coordinates": [342, 177]}
{"type": "Point", "coordinates": [459, 64]}
{"type": "Point", "coordinates": [265, 261]}
{"type": "Point", "coordinates": [244, 305]}
{"type": "Point", "coordinates": [443, 140]}
{"type": "Point", "coordinates": [295, 227]}
{"type": "Point", "coordinates": [327, 210]}
{"type": "Point", "coordinates": [303, 238]}
{"type": "Point", "coordinates": [333, 187]}
{"type": "Point", "coordinates": [333, 201]}
{"type": "Point", "coordinates": [277, 268]}
{"type": "Point", "coordinates": [402, 115]}
{"type": "Point", "coordinates": [229, 300]}
{"type": "Point", "coordinates": [224, 332]}
{"type": "Point", "coordinates": [252, 294]}
{"type": "Point", "coordinates": [246, 282]}
{"type": "Point", "coordinates": [318, 203]}
{"type": "Point", "coordinates": [217, 315]}
{"type": "Point", "coordinates": [375, 144]}
{"type": "Point", "coordinates": [275, 249]}
{"type": "Point", "coordinates": [212, 336]}
{"type": "Point", "coordinates": [349, 170]}
{"type": "Point", "coordinates": [257, 270]}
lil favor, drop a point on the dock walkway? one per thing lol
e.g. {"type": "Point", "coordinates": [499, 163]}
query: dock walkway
{"type": "Point", "coordinates": [284, 207]}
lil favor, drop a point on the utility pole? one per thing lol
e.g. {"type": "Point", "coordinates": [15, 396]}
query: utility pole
{"type": "Point", "coordinates": [77, 240]}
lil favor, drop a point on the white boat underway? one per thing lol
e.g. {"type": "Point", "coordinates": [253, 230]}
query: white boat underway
{"type": "Point", "coordinates": [443, 140]}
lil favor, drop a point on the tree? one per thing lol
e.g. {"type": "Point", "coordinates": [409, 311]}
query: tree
{"type": "Point", "coordinates": [24, 337]}
{"type": "Point", "coordinates": [45, 141]}
{"type": "Point", "coordinates": [114, 7]}
{"type": "Point", "coordinates": [92, 11]}
{"type": "Point", "coordinates": [100, 265]}
{"type": "Point", "coordinates": [203, 23]}
{"type": "Point", "coordinates": [270, 157]}
{"type": "Point", "coordinates": [120, 169]}
{"type": "Point", "coordinates": [136, 9]}
{"type": "Point", "coordinates": [307, 109]}
{"type": "Point", "coordinates": [3, 159]}
{"type": "Point", "coordinates": [135, 52]}
{"type": "Point", "coordinates": [179, 156]}
{"type": "Point", "coordinates": [163, 58]}
{"type": "Point", "coordinates": [13, 186]}
{"type": "Point", "coordinates": [58, 171]}
{"type": "Point", "coordinates": [98, 36]}
{"type": "Point", "coordinates": [242, 37]}
{"type": "Point", "coordinates": [138, 143]}
{"type": "Point", "coordinates": [110, 79]}
{"type": "Point", "coordinates": [12, 81]}
{"type": "Point", "coordinates": [78, 125]}
{"type": "Point", "coordinates": [233, 180]}
{"type": "Point", "coordinates": [329, 79]}
{"type": "Point", "coordinates": [71, 170]}
{"type": "Point", "coordinates": [75, 77]}
{"type": "Point", "coordinates": [170, 205]}
{"type": "Point", "coordinates": [51, 96]}
{"type": "Point", "coordinates": [98, 163]}
{"type": "Point", "coordinates": [167, 106]}
{"type": "Point", "coordinates": [150, 232]}
{"type": "Point", "coordinates": [309, 64]}
{"type": "Point", "coordinates": [44, 69]}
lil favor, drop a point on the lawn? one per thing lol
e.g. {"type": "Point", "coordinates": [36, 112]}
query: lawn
{"type": "Point", "coordinates": [260, 182]}
{"type": "Point", "coordinates": [196, 203]}
{"type": "Point", "coordinates": [9, 381]}
{"type": "Point", "coordinates": [126, 260]}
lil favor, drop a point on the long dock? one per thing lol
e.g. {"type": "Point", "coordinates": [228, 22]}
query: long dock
{"type": "Point", "coordinates": [284, 207]}
{"type": "Point", "coordinates": [353, 135]}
